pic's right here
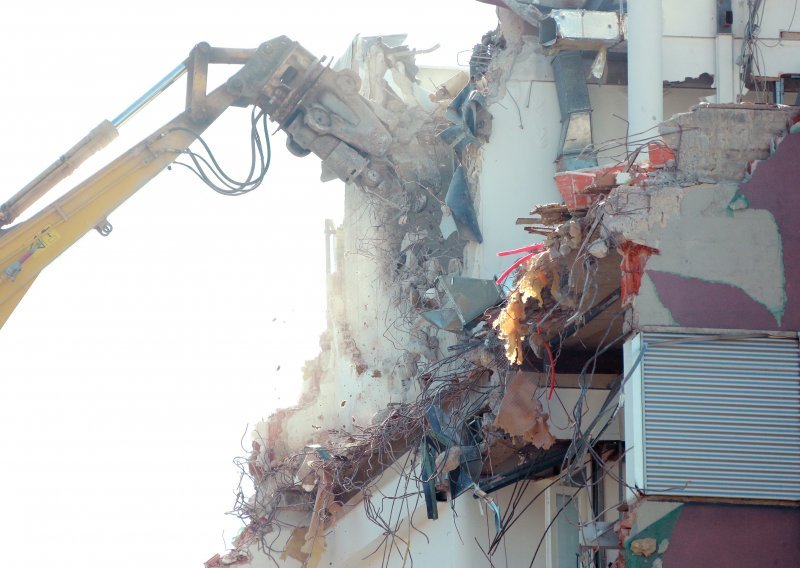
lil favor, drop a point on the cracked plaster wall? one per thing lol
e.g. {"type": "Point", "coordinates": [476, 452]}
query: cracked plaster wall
{"type": "Point", "coordinates": [699, 237]}
{"type": "Point", "coordinates": [727, 250]}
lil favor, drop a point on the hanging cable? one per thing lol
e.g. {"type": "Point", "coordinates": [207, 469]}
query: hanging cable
{"type": "Point", "coordinates": [207, 167]}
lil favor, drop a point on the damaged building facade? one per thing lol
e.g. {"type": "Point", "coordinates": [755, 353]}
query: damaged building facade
{"type": "Point", "coordinates": [563, 325]}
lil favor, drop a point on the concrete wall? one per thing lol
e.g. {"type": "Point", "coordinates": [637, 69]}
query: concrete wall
{"type": "Point", "coordinates": [371, 354]}
{"type": "Point", "coordinates": [727, 251]}
{"type": "Point", "coordinates": [688, 49]}
{"type": "Point", "coordinates": [741, 270]}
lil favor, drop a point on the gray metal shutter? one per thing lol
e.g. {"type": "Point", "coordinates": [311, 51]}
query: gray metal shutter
{"type": "Point", "coordinates": [721, 418]}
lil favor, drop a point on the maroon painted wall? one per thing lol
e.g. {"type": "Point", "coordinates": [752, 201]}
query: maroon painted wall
{"type": "Point", "coordinates": [774, 186]}
{"type": "Point", "coordinates": [734, 536]}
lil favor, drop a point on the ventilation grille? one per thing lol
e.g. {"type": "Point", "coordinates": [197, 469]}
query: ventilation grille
{"type": "Point", "coordinates": [721, 418]}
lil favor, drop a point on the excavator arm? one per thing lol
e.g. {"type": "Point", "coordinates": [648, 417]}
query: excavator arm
{"type": "Point", "coordinates": [319, 108]}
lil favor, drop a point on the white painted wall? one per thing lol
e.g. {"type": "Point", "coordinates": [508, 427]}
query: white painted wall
{"type": "Point", "coordinates": [451, 540]}
{"type": "Point", "coordinates": [560, 407]}
{"type": "Point", "coordinates": [456, 537]}
{"type": "Point", "coordinates": [689, 18]}
{"type": "Point", "coordinates": [634, 420]}
{"type": "Point", "coordinates": [645, 43]}
{"type": "Point", "coordinates": [690, 47]}
{"type": "Point", "coordinates": [517, 170]}
{"type": "Point", "coordinates": [777, 16]}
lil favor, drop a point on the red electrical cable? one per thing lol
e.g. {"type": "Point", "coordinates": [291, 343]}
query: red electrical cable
{"type": "Point", "coordinates": [532, 250]}
{"type": "Point", "coordinates": [513, 267]}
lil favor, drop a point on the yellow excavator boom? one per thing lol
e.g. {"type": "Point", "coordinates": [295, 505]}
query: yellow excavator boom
{"type": "Point", "coordinates": [320, 109]}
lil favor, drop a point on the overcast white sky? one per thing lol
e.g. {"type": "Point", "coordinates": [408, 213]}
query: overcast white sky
{"type": "Point", "coordinates": [136, 362]}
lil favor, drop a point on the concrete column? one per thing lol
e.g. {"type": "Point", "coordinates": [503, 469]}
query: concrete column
{"type": "Point", "coordinates": [723, 72]}
{"type": "Point", "coordinates": [645, 86]}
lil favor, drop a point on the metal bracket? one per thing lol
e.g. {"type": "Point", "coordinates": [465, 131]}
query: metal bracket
{"type": "Point", "coordinates": [104, 227]}
{"type": "Point", "coordinates": [197, 66]}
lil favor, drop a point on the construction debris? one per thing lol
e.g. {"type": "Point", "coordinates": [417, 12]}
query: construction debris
{"type": "Point", "coordinates": [477, 409]}
{"type": "Point", "coordinates": [520, 413]}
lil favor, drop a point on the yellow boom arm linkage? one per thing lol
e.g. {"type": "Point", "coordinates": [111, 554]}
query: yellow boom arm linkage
{"type": "Point", "coordinates": [319, 108]}
{"type": "Point", "coordinates": [29, 246]}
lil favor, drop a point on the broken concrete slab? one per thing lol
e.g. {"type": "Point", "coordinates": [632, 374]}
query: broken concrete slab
{"type": "Point", "coordinates": [747, 131]}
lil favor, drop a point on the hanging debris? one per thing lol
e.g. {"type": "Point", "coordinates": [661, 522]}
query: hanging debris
{"type": "Point", "coordinates": [520, 413]}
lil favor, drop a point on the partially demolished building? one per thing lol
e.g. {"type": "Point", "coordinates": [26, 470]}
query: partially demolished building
{"type": "Point", "coordinates": [566, 334]}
